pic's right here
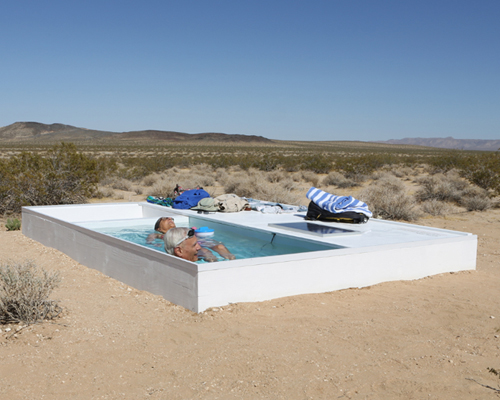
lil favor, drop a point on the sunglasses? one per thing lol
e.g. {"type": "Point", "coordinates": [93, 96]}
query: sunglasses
{"type": "Point", "coordinates": [189, 235]}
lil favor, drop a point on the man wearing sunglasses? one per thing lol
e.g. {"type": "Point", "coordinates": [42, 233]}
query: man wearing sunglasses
{"type": "Point", "coordinates": [165, 224]}
{"type": "Point", "coordinates": [182, 242]}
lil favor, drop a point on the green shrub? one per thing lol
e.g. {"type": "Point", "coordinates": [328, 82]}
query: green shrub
{"type": "Point", "coordinates": [24, 292]}
{"type": "Point", "coordinates": [62, 176]}
{"type": "Point", "coordinates": [483, 170]}
{"type": "Point", "coordinates": [13, 224]}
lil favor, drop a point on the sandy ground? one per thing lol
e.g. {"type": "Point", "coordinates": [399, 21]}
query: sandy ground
{"type": "Point", "coordinates": [433, 338]}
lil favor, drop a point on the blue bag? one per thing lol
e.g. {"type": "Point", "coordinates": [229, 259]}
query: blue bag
{"type": "Point", "coordinates": [189, 199]}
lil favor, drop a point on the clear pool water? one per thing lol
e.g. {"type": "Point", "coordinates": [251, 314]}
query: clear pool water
{"type": "Point", "coordinates": [242, 244]}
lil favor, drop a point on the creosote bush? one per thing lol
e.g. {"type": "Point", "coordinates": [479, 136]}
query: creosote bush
{"type": "Point", "coordinates": [24, 293]}
{"type": "Point", "coordinates": [62, 176]}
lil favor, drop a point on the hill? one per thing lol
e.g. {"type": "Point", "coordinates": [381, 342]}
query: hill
{"type": "Point", "coordinates": [30, 132]}
{"type": "Point", "coordinates": [449, 143]}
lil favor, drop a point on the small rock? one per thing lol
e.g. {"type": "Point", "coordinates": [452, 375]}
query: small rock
{"type": "Point", "coordinates": [492, 317]}
{"type": "Point", "coordinates": [7, 329]}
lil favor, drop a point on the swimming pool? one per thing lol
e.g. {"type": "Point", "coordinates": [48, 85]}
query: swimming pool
{"type": "Point", "coordinates": [243, 244]}
{"type": "Point", "coordinates": [364, 255]}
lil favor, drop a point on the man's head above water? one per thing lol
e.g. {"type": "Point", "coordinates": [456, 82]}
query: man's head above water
{"type": "Point", "coordinates": [164, 224]}
{"type": "Point", "coordinates": [182, 242]}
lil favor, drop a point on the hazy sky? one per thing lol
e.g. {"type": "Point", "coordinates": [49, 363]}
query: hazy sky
{"type": "Point", "coordinates": [302, 70]}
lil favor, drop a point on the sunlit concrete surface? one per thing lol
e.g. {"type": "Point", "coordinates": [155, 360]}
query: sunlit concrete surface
{"type": "Point", "coordinates": [378, 251]}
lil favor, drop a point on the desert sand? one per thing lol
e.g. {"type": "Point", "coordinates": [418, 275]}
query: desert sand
{"type": "Point", "coordinates": [432, 338]}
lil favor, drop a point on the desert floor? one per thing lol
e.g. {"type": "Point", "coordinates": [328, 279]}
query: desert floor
{"type": "Point", "coordinates": [433, 338]}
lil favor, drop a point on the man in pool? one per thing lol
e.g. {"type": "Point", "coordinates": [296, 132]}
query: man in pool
{"type": "Point", "coordinates": [165, 224]}
{"type": "Point", "coordinates": [182, 242]}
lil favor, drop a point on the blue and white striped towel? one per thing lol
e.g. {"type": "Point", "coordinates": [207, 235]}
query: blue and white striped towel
{"type": "Point", "coordinates": [337, 204]}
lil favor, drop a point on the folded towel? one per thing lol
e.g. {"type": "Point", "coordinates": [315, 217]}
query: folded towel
{"type": "Point", "coordinates": [337, 204]}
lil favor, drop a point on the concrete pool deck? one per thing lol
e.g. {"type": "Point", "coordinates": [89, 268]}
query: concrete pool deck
{"type": "Point", "coordinates": [379, 251]}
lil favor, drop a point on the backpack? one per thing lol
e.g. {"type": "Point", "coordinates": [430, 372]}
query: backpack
{"type": "Point", "coordinates": [315, 212]}
{"type": "Point", "coordinates": [189, 199]}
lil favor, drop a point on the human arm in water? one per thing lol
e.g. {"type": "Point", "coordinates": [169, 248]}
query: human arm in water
{"type": "Point", "coordinates": [216, 246]}
{"type": "Point", "coordinates": [153, 236]}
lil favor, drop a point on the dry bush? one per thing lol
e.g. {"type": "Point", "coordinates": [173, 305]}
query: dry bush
{"type": "Point", "coordinates": [149, 180]}
{"type": "Point", "coordinates": [254, 184]}
{"type": "Point", "coordinates": [402, 172]}
{"type": "Point", "coordinates": [475, 199]}
{"type": "Point", "coordinates": [387, 198]}
{"type": "Point", "coordinates": [275, 176]}
{"type": "Point", "coordinates": [122, 184]}
{"type": "Point", "coordinates": [138, 190]}
{"type": "Point", "coordinates": [161, 189]}
{"type": "Point", "coordinates": [103, 192]}
{"type": "Point", "coordinates": [472, 203]}
{"type": "Point", "coordinates": [451, 187]}
{"type": "Point", "coordinates": [337, 179]}
{"type": "Point", "coordinates": [221, 176]}
{"type": "Point", "coordinates": [24, 293]}
{"type": "Point", "coordinates": [297, 177]}
{"type": "Point", "coordinates": [435, 207]}
{"type": "Point", "coordinates": [310, 176]}
{"type": "Point", "coordinates": [444, 187]}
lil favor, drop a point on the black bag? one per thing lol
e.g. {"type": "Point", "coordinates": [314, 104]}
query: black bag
{"type": "Point", "coordinates": [315, 212]}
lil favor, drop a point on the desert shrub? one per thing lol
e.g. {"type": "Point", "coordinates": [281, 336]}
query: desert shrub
{"type": "Point", "coordinates": [443, 187]}
{"type": "Point", "coordinates": [472, 203]}
{"type": "Point", "coordinates": [62, 176]}
{"type": "Point", "coordinates": [309, 176]}
{"type": "Point", "coordinates": [445, 162]}
{"type": "Point", "coordinates": [288, 184]}
{"type": "Point", "coordinates": [387, 198]}
{"type": "Point", "coordinates": [221, 175]}
{"type": "Point", "coordinates": [13, 224]}
{"type": "Point", "coordinates": [435, 207]}
{"type": "Point", "coordinates": [162, 189]}
{"type": "Point", "coordinates": [149, 180]}
{"type": "Point", "coordinates": [255, 185]}
{"type": "Point", "coordinates": [275, 176]}
{"type": "Point", "coordinates": [359, 167]}
{"type": "Point", "coordinates": [122, 184]}
{"type": "Point", "coordinates": [401, 171]}
{"type": "Point", "coordinates": [452, 188]}
{"type": "Point", "coordinates": [268, 162]}
{"type": "Point", "coordinates": [337, 179]}
{"type": "Point", "coordinates": [103, 192]}
{"type": "Point", "coordinates": [319, 163]}
{"type": "Point", "coordinates": [24, 293]}
{"type": "Point", "coordinates": [483, 170]}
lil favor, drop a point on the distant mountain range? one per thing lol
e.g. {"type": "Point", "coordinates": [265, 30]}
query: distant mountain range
{"type": "Point", "coordinates": [449, 143]}
{"type": "Point", "coordinates": [37, 132]}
